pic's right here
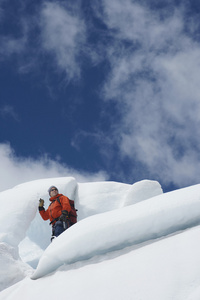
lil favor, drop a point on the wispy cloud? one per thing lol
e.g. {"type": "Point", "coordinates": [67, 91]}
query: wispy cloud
{"type": "Point", "coordinates": [154, 80]}
{"type": "Point", "coordinates": [13, 42]}
{"type": "Point", "coordinates": [16, 170]}
{"type": "Point", "coordinates": [57, 33]}
{"type": "Point", "coordinates": [11, 45]}
{"type": "Point", "coordinates": [9, 111]}
{"type": "Point", "coordinates": [63, 35]}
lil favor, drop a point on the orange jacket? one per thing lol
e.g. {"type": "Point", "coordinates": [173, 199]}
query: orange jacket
{"type": "Point", "coordinates": [55, 208]}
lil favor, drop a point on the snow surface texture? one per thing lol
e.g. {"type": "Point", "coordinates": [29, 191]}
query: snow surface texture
{"type": "Point", "coordinates": [142, 242]}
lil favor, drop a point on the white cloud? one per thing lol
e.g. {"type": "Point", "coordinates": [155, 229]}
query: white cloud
{"type": "Point", "coordinates": [63, 34]}
{"type": "Point", "coordinates": [16, 170]}
{"type": "Point", "coordinates": [154, 79]}
{"type": "Point", "coordinates": [57, 30]}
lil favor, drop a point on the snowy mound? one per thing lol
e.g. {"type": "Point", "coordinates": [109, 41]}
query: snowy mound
{"type": "Point", "coordinates": [151, 237]}
{"type": "Point", "coordinates": [26, 230]}
{"type": "Point", "coordinates": [121, 228]}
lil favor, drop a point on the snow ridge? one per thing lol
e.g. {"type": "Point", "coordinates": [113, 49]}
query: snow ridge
{"type": "Point", "coordinates": [135, 224]}
{"type": "Point", "coordinates": [126, 223]}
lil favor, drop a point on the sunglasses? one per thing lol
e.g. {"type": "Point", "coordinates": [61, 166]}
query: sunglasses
{"type": "Point", "coordinates": [53, 190]}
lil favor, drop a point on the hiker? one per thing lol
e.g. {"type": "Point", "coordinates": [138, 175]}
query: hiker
{"type": "Point", "coordinates": [57, 212]}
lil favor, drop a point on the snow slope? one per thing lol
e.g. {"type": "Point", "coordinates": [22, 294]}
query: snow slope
{"type": "Point", "coordinates": [167, 269]}
{"type": "Point", "coordinates": [123, 227]}
{"type": "Point", "coordinates": [131, 242]}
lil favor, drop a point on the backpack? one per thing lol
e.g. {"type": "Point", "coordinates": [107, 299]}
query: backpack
{"type": "Point", "coordinates": [72, 213]}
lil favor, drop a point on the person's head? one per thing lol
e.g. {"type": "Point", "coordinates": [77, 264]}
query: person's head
{"type": "Point", "coordinates": [53, 191]}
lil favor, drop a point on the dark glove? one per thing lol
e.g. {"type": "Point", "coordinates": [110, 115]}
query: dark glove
{"type": "Point", "coordinates": [65, 216]}
{"type": "Point", "coordinates": [41, 202]}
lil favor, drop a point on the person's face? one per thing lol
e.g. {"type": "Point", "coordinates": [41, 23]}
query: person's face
{"type": "Point", "coordinates": [53, 192]}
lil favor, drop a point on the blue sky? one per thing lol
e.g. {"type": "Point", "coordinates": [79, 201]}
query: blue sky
{"type": "Point", "coordinates": [100, 90]}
